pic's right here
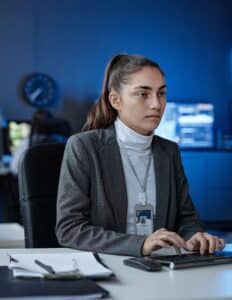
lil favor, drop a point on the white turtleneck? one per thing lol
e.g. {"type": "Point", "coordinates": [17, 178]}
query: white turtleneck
{"type": "Point", "coordinates": [138, 148]}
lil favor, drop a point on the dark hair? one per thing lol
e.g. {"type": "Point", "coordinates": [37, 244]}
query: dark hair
{"type": "Point", "coordinates": [117, 72]}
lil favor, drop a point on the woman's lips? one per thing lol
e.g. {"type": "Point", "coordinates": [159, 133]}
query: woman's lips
{"type": "Point", "coordinates": [153, 117]}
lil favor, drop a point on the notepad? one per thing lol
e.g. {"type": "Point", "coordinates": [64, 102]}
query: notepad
{"type": "Point", "coordinates": [24, 265]}
{"type": "Point", "coordinates": [83, 289]}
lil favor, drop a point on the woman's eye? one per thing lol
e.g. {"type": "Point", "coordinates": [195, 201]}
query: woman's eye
{"type": "Point", "coordinates": [143, 94]}
{"type": "Point", "coordinates": [161, 94]}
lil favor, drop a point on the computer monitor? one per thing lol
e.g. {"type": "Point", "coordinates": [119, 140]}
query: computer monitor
{"type": "Point", "coordinates": [2, 128]}
{"type": "Point", "coordinates": [190, 124]}
{"type": "Point", "coordinates": [1, 143]}
{"type": "Point", "coordinates": [17, 131]}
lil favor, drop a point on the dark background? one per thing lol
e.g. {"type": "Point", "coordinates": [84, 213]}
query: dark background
{"type": "Point", "coordinates": [72, 40]}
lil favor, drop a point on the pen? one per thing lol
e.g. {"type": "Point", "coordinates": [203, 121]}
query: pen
{"type": "Point", "coordinates": [47, 268]}
{"type": "Point", "coordinates": [12, 258]}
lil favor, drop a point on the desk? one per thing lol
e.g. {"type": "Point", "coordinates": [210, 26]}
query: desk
{"type": "Point", "coordinates": [11, 235]}
{"type": "Point", "coordinates": [131, 284]}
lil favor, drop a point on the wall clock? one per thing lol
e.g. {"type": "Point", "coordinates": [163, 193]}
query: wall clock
{"type": "Point", "coordinates": [39, 90]}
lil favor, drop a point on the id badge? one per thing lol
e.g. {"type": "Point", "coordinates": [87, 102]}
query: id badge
{"type": "Point", "coordinates": [144, 219]}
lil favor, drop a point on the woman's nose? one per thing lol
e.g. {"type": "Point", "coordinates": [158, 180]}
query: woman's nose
{"type": "Point", "coordinates": [154, 102]}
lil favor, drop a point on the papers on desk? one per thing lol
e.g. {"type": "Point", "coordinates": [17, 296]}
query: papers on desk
{"type": "Point", "coordinates": [26, 265]}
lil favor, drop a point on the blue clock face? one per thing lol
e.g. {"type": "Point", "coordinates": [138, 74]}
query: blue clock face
{"type": "Point", "coordinates": [40, 90]}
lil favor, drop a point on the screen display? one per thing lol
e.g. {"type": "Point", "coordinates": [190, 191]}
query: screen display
{"type": "Point", "coordinates": [1, 144]}
{"type": "Point", "coordinates": [191, 125]}
{"type": "Point", "coordinates": [17, 132]}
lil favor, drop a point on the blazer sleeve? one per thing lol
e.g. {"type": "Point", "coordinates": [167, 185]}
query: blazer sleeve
{"type": "Point", "coordinates": [188, 221]}
{"type": "Point", "coordinates": [73, 226]}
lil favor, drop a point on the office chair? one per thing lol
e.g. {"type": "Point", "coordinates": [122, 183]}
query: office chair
{"type": "Point", "coordinates": [49, 130]}
{"type": "Point", "coordinates": [39, 169]}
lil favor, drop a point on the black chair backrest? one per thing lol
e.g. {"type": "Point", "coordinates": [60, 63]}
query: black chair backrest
{"type": "Point", "coordinates": [49, 131]}
{"type": "Point", "coordinates": [39, 170]}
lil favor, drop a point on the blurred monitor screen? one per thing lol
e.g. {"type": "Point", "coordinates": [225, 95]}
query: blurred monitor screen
{"type": "Point", "coordinates": [1, 143]}
{"type": "Point", "coordinates": [17, 132]}
{"type": "Point", "coordinates": [191, 125]}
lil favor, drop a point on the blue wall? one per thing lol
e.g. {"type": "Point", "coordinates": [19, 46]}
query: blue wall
{"type": "Point", "coordinates": [72, 41]}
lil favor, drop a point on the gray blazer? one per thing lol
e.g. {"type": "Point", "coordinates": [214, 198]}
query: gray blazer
{"type": "Point", "coordinates": [92, 198]}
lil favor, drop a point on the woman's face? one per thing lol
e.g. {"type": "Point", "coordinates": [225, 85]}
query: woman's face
{"type": "Point", "coordinates": [141, 101]}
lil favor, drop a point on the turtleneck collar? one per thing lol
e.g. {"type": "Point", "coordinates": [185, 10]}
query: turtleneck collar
{"type": "Point", "coordinates": [130, 138]}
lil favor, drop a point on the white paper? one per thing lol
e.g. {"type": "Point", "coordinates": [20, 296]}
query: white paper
{"type": "Point", "coordinates": [60, 262]}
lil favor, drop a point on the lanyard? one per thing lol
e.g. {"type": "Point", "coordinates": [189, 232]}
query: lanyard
{"type": "Point", "coordinates": [143, 185]}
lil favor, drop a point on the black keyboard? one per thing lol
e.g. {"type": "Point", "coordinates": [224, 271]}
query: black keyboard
{"type": "Point", "coordinates": [193, 260]}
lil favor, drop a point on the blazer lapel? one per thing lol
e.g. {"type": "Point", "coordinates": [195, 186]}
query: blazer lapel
{"type": "Point", "coordinates": [162, 173]}
{"type": "Point", "coordinates": [114, 182]}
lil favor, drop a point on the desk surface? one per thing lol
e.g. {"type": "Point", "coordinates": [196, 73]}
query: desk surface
{"type": "Point", "coordinates": [200, 283]}
{"type": "Point", "coordinates": [11, 235]}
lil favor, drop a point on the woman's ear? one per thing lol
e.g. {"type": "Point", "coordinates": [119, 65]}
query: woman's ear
{"type": "Point", "coordinates": [115, 100]}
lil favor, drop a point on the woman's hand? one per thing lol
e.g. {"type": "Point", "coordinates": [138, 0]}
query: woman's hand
{"type": "Point", "coordinates": [162, 238]}
{"type": "Point", "coordinates": [204, 242]}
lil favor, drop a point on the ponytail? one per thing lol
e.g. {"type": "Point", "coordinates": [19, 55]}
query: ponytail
{"type": "Point", "coordinates": [102, 114]}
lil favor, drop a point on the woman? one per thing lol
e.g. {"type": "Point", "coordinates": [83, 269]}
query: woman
{"type": "Point", "coordinates": [123, 190]}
